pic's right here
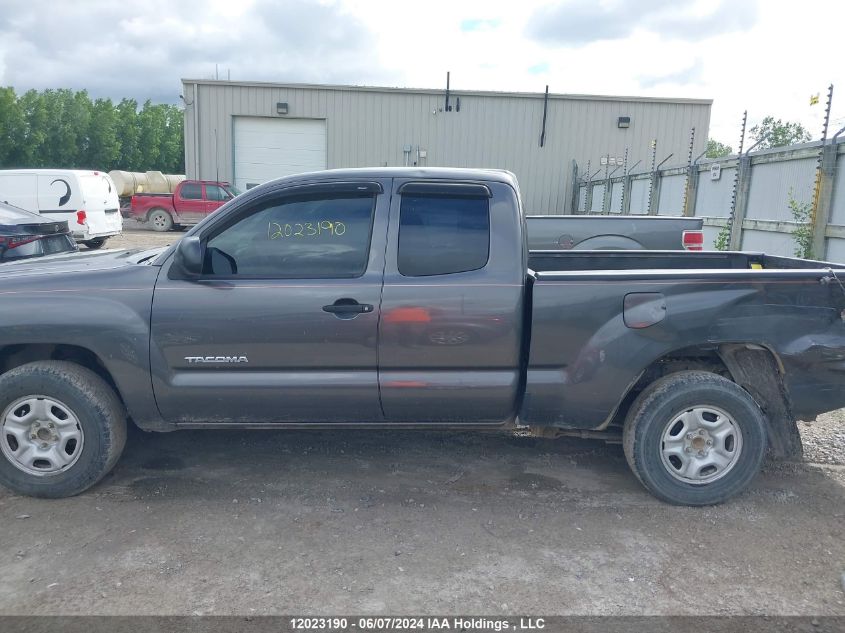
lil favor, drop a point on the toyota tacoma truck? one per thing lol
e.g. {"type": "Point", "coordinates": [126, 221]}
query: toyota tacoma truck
{"type": "Point", "coordinates": [190, 202]}
{"type": "Point", "coordinates": [614, 232]}
{"type": "Point", "coordinates": [406, 297]}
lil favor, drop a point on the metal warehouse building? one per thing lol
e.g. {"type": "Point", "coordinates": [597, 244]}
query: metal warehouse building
{"type": "Point", "coordinates": [248, 132]}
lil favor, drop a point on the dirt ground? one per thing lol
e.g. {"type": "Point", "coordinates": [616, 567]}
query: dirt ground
{"type": "Point", "coordinates": [365, 522]}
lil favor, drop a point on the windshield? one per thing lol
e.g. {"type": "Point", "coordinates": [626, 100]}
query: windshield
{"type": "Point", "coordinates": [233, 191]}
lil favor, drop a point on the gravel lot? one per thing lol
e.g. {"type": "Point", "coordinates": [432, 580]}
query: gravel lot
{"type": "Point", "coordinates": [224, 522]}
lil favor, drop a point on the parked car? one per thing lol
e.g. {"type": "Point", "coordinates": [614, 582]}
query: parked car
{"type": "Point", "coordinates": [85, 200]}
{"type": "Point", "coordinates": [614, 232]}
{"type": "Point", "coordinates": [406, 297]}
{"type": "Point", "coordinates": [24, 234]}
{"type": "Point", "coordinates": [190, 202]}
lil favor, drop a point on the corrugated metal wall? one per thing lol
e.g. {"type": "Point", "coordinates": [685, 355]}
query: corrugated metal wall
{"type": "Point", "coordinates": [371, 127]}
{"type": "Point", "coordinates": [671, 200]}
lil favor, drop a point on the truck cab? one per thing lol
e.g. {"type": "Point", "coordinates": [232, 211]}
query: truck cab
{"type": "Point", "coordinates": [190, 202]}
{"type": "Point", "coordinates": [442, 264]}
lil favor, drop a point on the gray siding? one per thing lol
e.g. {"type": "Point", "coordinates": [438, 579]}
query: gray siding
{"type": "Point", "coordinates": [370, 127]}
{"type": "Point", "coordinates": [771, 183]}
{"type": "Point", "coordinates": [672, 195]}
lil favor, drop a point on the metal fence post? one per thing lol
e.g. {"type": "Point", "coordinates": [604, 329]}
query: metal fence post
{"type": "Point", "coordinates": [743, 186]}
{"type": "Point", "coordinates": [827, 176]}
{"type": "Point", "coordinates": [576, 189]}
{"type": "Point", "coordinates": [654, 198]}
{"type": "Point", "coordinates": [626, 194]}
{"type": "Point", "coordinates": [691, 193]}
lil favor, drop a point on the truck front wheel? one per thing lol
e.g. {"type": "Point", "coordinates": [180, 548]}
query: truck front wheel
{"type": "Point", "coordinates": [160, 220]}
{"type": "Point", "coordinates": [62, 428]}
{"type": "Point", "coordinates": [695, 438]}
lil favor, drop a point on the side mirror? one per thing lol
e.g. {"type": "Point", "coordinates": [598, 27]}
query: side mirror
{"type": "Point", "coordinates": [188, 258]}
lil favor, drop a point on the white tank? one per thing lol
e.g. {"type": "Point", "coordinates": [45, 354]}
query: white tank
{"type": "Point", "coordinates": [129, 183]}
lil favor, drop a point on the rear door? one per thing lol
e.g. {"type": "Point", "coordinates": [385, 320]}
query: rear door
{"type": "Point", "coordinates": [451, 323]}
{"type": "Point", "coordinates": [190, 203]}
{"type": "Point", "coordinates": [283, 325]}
{"type": "Point", "coordinates": [99, 199]}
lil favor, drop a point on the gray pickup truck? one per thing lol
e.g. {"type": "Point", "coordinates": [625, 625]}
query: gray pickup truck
{"type": "Point", "coordinates": [614, 232]}
{"type": "Point", "coordinates": [386, 298]}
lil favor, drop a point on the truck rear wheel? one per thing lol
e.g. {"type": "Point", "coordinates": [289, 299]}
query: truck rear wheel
{"type": "Point", "coordinates": [62, 428]}
{"type": "Point", "coordinates": [160, 220]}
{"type": "Point", "coordinates": [695, 438]}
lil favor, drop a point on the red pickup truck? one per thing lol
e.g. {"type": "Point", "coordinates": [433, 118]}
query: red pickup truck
{"type": "Point", "coordinates": [191, 201]}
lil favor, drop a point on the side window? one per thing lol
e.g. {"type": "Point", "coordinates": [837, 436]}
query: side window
{"type": "Point", "coordinates": [304, 237]}
{"type": "Point", "coordinates": [191, 191]}
{"type": "Point", "coordinates": [213, 192]}
{"type": "Point", "coordinates": [439, 235]}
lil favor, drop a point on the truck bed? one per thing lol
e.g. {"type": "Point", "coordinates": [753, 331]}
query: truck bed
{"type": "Point", "coordinates": [598, 318]}
{"type": "Point", "coordinates": [623, 232]}
{"type": "Point", "coordinates": [570, 261]}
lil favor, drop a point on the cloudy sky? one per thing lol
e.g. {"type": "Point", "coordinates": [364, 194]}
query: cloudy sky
{"type": "Point", "coordinates": [768, 56]}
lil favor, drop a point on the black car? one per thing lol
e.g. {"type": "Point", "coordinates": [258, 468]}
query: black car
{"type": "Point", "coordinates": [24, 234]}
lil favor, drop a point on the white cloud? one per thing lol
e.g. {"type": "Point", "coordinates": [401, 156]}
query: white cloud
{"type": "Point", "coordinates": [766, 56]}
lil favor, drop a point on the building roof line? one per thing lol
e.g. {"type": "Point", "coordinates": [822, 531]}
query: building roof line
{"type": "Point", "coordinates": [441, 91]}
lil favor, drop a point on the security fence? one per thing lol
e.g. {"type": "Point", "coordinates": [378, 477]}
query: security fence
{"type": "Point", "coordinates": [772, 200]}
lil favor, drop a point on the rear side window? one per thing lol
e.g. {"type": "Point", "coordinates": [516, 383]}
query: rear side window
{"type": "Point", "coordinates": [191, 191]}
{"type": "Point", "coordinates": [439, 235]}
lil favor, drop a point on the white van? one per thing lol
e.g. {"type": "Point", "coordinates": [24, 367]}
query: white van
{"type": "Point", "coordinates": [86, 199]}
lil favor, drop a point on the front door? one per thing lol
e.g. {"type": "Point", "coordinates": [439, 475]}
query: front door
{"type": "Point", "coordinates": [282, 326]}
{"type": "Point", "coordinates": [215, 197]}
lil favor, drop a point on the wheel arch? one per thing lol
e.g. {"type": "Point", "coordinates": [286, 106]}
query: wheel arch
{"type": "Point", "coordinates": [608, 241]}
{"type": "Point", "coordinates": [15, 355]}
{"type": "Point", "coordinates": [754, 367]}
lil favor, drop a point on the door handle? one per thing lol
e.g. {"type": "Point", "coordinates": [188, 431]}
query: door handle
{"type": "Point", "coordinates": [347, 308]}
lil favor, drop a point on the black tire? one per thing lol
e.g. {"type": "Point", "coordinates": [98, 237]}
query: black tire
{"type": "Point", "coordinates": [96, 243]}
{"type": "Point", "coordinates": [160, 220]}
{"type": "Point", "coordinates": [95, 405]}
{"type": "Point", "coordinates": [667, 399]}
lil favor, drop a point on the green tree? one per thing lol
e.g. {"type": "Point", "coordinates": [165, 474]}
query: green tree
{"type": "Point", "coordinates": [12, 127]}
{"type": "Point", "coordinates": [31, 153]}
{"type": "Point", "coordinates": [129, 157]}
{"type": "Point", "coordinates": [69, 118]}
{"type": "Point", "coordinates": [173, 142]}
{"type": "Point", "coordinates": [62, 128]}
{"type": "Point", "coordinates": [715, 149]}
{"type": "Point", "coordinates": [776, 133]}
{"type": "Point", "coordinates": [151, 121]}
{"type": "Point", "coordinates": [103, 143]}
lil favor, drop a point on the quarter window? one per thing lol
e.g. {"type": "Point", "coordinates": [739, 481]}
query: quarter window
{"type": "Point", "coordinates": [303, 237]}
{"type": "Point", "coordinates": [439, 235]}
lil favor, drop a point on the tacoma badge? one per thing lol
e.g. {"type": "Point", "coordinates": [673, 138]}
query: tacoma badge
{"type": "Point", "coordinates": [216, 359]}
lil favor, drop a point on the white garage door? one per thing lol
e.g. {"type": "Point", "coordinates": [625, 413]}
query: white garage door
{"type": "Point", "coordinates": [267, 148]}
